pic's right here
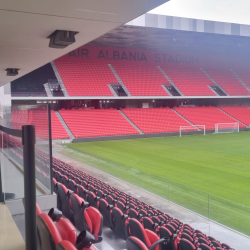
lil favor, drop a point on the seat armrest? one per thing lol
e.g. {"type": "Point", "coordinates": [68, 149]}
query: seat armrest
{"type": "Point", "coordinates": [125, 216]}
{"type": "Point", "coordinates": [160, 241]}
{"type": "Point", "coordinates": [110, 206]}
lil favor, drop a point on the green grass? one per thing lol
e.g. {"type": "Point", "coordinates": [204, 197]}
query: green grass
{"type": "Point", "coordinates": [184, 170]}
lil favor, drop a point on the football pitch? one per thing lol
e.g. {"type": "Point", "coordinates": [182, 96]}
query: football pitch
{"type": "Point", "coordinates": [207, 174]}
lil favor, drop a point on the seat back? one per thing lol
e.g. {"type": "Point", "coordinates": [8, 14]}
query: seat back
{"type": "Point", "coordinates": [66, 230]}
{"type": "Point", "coordinates": [118, 222]}
{"type": "Point", "coordinates": [96, 220]}
{"type": "Point", "coordinates": [65, 181]}
{"type": "Point", "coordinates": [136, 230]}
{"type": "Point", "coordinates": [105, 210]}
{"type": "Point", "coordinates": [148, 223]}
{"type": "Point", "coordinates": [133, 213]}
{"type": "Point", "coordinates": [78, 205]}
{"type": "Point", "coordinates": [186, 245]}
{"type": "Point", "coordinates": [92, 199]}
{"type": "Point", "coordinates": [134, 243]}
{"type": "Point", "coordinates": [82, 192]}
{"type": "Point", "coordinates": [38, 210]}
{"type": "Point", "coordinates": [47, 234]}
{"type": "Point", "coordinates": [72, 186]}
{"type": "Point", "coordinates": [63, 200]}
{"type": "Point", "coordinates": [65, 245]}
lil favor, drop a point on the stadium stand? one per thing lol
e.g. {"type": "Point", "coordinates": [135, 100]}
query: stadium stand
{"type": "Point", "coordinates": [241, 113]}
{"type": "Point", "coordinates": [244, 75]}
{"type": "Point", "coordinates": [39, 118]}
{"type": "Point", "coordinates": [58, 131]}
{"type": "Point", "coordinates": [208, 116]}
{"type": "Point", "coordinates": [97, 122]}
{"type": "Point", "coordinates": [85, 79]}
{"type": "Point", "coordinates": [142, 80]}
{"type": "Point", "coordinates": [156, 120]}
{"type": "Point", "coordinates": [228, 81]}
{"type": "Point", "coordinates": [32, 83]}
{"type": "Point", "coordinates": [190, 81]}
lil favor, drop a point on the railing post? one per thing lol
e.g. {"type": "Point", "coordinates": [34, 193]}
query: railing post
{"type": "Point", "coordinates": [50, 148]}
{"type": "Point", "coordinates": [28, 141]}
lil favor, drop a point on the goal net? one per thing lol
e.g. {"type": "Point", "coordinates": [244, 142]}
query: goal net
{"type": "Point", "coordinates": [226, 127]}
{"type": "Point", "coordinates": [195, 128]}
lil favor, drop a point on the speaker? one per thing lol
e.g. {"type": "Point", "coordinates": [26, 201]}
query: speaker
{"type": "Point", "coordinates": [60, 39]}
{"type": "Point", "coordinates": [12, 72]}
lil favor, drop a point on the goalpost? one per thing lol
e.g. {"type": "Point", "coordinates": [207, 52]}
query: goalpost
{"type": "Point", "coordinates": [227, 127]}
{"type": "Point", "coordinates": [193, 128]}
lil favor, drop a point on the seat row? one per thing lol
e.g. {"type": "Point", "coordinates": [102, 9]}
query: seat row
{"type": "Point", "coordinates": [141, 225]}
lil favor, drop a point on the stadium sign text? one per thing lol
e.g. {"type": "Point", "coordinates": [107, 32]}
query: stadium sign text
{"type": "Point", "coordinates": [134, 56]}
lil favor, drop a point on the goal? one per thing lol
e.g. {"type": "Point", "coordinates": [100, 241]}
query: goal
{"type": "Point", "coordinates": [227, 127]}
{"type": "Point", "coordinates": [193, 128]}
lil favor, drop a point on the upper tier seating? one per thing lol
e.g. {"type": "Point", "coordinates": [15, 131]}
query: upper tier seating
{"type": "Point", "coordinates": [85, 79]}
{"type": "Point", "coordinates": [155, 120]}
{"type": "Point", "coordinates": [32, 83]}
{"type": "Point", "coordinates": [228, 81]}
{"type": "Point", "coordinates": [39, 118]}
{"type": "Point", "coordinates": [97, 122]}
{"type": "Point", "coordinates": [191, 82]}
{"type": "Point", "coordinates": [241, 113]}
{"type": "Point", "coordinates": [142, 80]}
{"type": "Point", "coordinates": [208, 116]}
{"type": "Point", "coordinates": [244, 76]}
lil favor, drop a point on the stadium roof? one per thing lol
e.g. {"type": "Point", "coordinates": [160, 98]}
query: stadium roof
{"type": "Point", "coordinates": [25, 25]}
{"type": "Point", "coordinates": [159, 32]}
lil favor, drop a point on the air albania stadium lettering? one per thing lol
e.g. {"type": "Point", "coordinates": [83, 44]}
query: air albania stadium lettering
{"type": "Point", "coordinates": [135, 56]}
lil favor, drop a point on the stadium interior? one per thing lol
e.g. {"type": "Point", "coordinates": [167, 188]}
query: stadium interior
{"type": "Point", "coordinates": [150, 81]}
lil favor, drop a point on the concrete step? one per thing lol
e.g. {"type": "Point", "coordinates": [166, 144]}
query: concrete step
{"type": "Point", "coordinates": [65, 125]}
{"type": "Point", "coordinates": [213, 81]}
{"type": "Point", "coordinates": [47, 89]}
{"type": "Point", "coordinates": [59, 79]}
{"type": "Point", "coordinates": [231, 116]}
{"type": "Point", "coordinates": [170, 81]}
{"type": "Point", "coordinates": [119, 80]}
{"type": "Point", "coordinates": [241, 81]}
{"type": "Point", "coordinates": [186, 120]}
{"type": "Point", "coordinates": [140, 131]}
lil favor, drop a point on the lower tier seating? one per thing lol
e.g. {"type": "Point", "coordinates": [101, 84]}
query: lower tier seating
{"type": "Point", "coordinates": [142, 226]}
{"type": "Point", "coordinates": [208, 116]}
{"type": "Point", "coordinates": [58, 131]}
{"type": "Point", "coordinates": [241, 113]}
{"type": "Point", "coordinates": [97, 122]}
{"type": "Point", "coordinates": [39, 118]}
{"type": "Point", "coordinates": [80, 196]}
{"type": "Point", "coordinates": [156, 120]}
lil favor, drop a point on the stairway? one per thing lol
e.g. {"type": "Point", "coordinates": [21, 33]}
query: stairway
{"type": "Point", "coordinates": [213, 81]}
{"type": "Point", "coordinates": [140, 131]}
{"type": "Point", "coordinates": [231, 116]}
{"type": "Point", "coordinates": [65, 125]}
{"type": "Point", "coordinates": [59, 79]}
{"type": "Point", "coordinates": [119, 80]}
{"type": "Point", "coordinates": [241, 81]}
{"type": "Point", "coordinates": [186, 120]}
{"type": "Point", "coordinates": [47, 89]}
{"type": "Point", "coordinates": [170, 81]}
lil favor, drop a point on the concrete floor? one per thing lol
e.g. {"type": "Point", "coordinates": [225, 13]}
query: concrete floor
{"type": "Point", "coordinates": [234, 239]}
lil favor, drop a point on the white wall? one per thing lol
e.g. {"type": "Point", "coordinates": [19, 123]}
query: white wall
{"type": "Point", "coordinates": [5, 96]}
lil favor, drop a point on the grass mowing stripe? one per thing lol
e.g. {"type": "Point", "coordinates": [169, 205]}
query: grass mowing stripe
{"type": "Point", "coordinates": [215, 164]}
